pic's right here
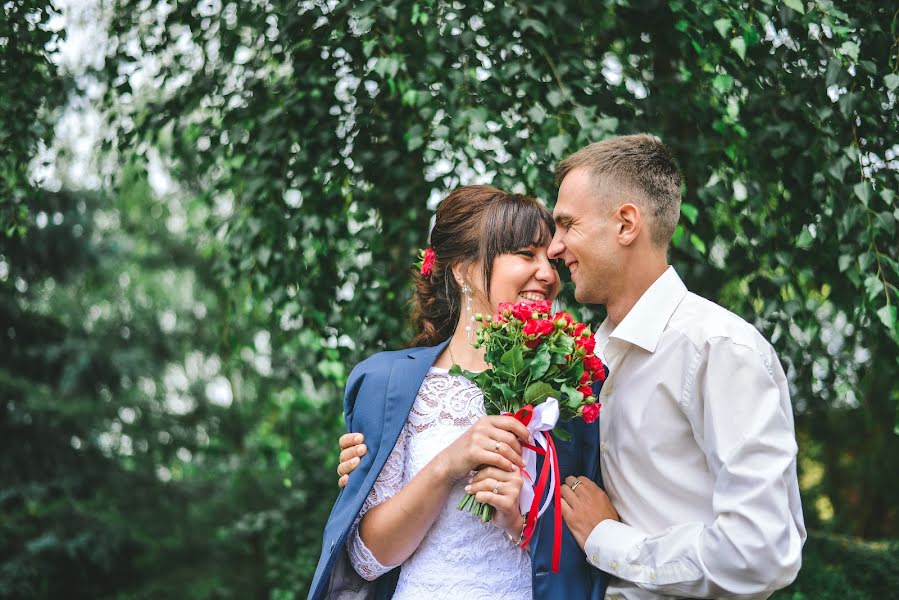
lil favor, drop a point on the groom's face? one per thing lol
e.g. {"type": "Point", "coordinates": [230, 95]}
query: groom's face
{"type": "Point", "coordinates": [585, 238]}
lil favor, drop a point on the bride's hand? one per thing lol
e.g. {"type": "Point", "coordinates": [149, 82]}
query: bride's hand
{"type": "Point", "coordinates": [492, 441]}
{"type": "Point", "coordinates": [501, 490]}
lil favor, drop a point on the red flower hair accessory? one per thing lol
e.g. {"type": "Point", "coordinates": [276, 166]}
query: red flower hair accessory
{"type": "Point", "coordinates": [426, 260]}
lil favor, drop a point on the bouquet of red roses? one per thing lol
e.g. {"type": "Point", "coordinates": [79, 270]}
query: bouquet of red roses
{"type": "Point", "coordinates": [541, 364]}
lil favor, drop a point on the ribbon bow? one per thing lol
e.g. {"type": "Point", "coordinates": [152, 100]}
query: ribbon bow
{"type": "Point", "coordinates": [539, 421]}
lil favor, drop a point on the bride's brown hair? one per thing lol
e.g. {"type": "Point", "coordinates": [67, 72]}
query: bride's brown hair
{"type": "Point", "coordinates": [475, 223]}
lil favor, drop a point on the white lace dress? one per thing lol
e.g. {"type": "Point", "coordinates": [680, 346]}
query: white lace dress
{"type": "Point", "coordinates": [460, 557]}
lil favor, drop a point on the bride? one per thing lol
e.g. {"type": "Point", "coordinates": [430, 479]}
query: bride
{"type": "Point", "coordinates": [428, 432]}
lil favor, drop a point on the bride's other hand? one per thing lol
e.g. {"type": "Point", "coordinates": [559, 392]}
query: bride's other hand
{"type": "Point", "coordinates": [501, 490]}
{"type": "Point", "coordinates": [351, 452]}
{"type": "Point", "coordinates": [492, 441]}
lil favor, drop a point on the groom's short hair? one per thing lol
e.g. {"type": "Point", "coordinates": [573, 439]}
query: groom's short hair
{"type": "Point", "coordinates": [634, 167]}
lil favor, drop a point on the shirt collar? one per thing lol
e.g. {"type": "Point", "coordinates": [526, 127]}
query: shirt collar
{"type": "Point", "coordinates": [644, 324]}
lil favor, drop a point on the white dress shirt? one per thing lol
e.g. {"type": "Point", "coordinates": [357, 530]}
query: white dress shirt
{"type": "Point", "coordinates": [698, 454]}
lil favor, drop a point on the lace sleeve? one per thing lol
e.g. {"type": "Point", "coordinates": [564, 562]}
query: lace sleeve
{"type": "Point", "coordinates": [389, 482]}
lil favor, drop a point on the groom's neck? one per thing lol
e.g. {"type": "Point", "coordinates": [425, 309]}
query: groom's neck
{"type": "Point", "coordinates": [636, 278]}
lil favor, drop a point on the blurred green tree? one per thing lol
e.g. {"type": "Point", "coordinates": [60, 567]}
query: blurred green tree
{"type": "Point", "coordinates": [329, 130]}
{"type": "Point", "coordinates": [172, 364]}
{"type": "Point", "coordinates": [32, 91]}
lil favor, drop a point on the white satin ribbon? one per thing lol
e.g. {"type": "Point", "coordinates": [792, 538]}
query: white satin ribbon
{"type": "Point", "coordinates": [544, 418]}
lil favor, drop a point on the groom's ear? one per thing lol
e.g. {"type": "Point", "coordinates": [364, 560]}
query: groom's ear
{"type": "Point", "coordinates": [630, 223]}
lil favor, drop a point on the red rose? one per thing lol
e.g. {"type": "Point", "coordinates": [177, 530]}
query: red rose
{"type": "Point", "coordinates": [564, 317]}
{"type": "Point", "coordinates": [585, 378]}
{"type": "Point", "coordinates": [587, 343]}
{"type": "Point", "coordinates": [427, 262]}
{"type": "Point", "coordinates": [504, 309]}
{"type": "Point", "coordinates": [595, 367]}
{"type": "Point", "coordinates": [591, 412]}
{"type": "Point", "coordinates": [578, 329]}
{"type": "Point", "coordinates": [522, 311]}
{"type": "Point", "coordinates": [542, 306]}
{"type": "Point", "coordinates": [533, 343]}
{"type": "Point", "coordinates": [586, 390]}
{"type": "Point", "coordinates": [538, 327]}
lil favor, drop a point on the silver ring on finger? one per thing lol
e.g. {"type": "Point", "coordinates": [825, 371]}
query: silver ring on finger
{"type": "Point", "coordinates": [496, 488]}
{"type": "Point", "coordinates": [576, 483]}
{"type": "Point", "coordinates": [496, 446]}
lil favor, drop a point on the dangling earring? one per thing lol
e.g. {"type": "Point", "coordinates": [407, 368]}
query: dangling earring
{"type": "Point", "coordinates": [469, 317]}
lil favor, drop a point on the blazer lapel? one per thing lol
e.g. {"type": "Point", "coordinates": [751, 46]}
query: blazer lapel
{"type": "Point", "coordinates": [402, 388]}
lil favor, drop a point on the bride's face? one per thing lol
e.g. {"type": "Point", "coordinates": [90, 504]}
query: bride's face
{"type": "Point", "coordinates": [518, 276]}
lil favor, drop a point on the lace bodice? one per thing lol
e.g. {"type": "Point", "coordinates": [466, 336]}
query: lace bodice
{"type": "Point", "coordinates": [460, 557]}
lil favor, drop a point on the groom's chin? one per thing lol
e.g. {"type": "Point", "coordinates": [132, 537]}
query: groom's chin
{"type": "Point", "coordinates": [583, 295]}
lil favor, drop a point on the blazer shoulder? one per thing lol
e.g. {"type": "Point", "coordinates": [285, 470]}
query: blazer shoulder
{"type": "Point", "coordinates": [377, 364]}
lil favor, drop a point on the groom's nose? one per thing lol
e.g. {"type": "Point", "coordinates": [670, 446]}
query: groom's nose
{"type": "Point", "coordinates": [556, 247]}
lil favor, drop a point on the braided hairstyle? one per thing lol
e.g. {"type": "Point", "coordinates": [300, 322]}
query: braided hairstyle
{"type": "Point", "coordinates": [474, 224]}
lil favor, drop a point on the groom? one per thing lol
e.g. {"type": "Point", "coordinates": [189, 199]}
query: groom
{"type": "Point", "coordinates": [698, 451]}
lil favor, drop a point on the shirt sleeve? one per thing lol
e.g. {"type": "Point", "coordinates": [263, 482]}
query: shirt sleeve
{"type": "Point", "coordinates": [737, 403]}
{"type": "Point", "coordinates": [388, 483]}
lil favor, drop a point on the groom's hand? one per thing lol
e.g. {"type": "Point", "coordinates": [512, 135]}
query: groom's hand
{"type": "Point", "coordinates": [352, 451]}
{"type": "Point", "coordinates": [584, 507]}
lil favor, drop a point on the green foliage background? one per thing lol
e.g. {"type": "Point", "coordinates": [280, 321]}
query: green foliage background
{"type": "Point", "coordinates": [172, 361]}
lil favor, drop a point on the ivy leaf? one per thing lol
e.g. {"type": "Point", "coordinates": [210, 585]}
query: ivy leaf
{"type": "Point", "coordinates": [678, 236]}
{"type": "Point", "coordinates": [558, 145]}
{"type": "Point", "coordinates": [697, 243]}
{"type": "Point", "coordinates": [689, 211]}
{"type": "Point", "coordinates": [796, 5]}
{"type": "Point", "coordinates": [850, 49]}
{"type": "Point", "coordinates": [891, 81]}
{"type": "Point", "coordinates": [887, 316]}
{"type": "Point", "coordinates": [537, 113]}
{"type": "Point", "coordinates": [723, 26]}
{"type": "Point", "coordinates": [739, 46]}
{"type": "Point", "coordinates": [863, 191]}
{"type": "Point", "coordinates": [723, 82]}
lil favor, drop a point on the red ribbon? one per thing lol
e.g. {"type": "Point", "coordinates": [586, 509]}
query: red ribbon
{"type": "Point", "coordinates": [524, 416]}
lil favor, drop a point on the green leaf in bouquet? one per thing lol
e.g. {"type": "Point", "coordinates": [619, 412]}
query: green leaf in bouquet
{"type": "Point", "coordinates": [475, 376]}
{"type": "Point", "coordinates": [538, 392]}
{"type": "Point", "coordinates": [506, 391]}
{"type": "Point", "coordinates": [566, 344]}
{"type": "Point", "coordinates": [514, 360]}
{"type": "Point", "coordinates": [561, 434]}
{"type": "Point", "coordinates": [572, 396]}
{"type": "Point", "coordinates": [541, 362]}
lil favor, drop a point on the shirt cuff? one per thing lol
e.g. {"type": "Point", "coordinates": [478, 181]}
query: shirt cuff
{"type": "Point", "coordinates": [611, 546]}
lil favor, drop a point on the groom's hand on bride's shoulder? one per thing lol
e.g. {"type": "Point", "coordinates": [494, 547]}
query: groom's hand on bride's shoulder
{"type": "Point", "coordinates": [352, 450]}
{"type": "Point", "coordinates": [584, 506]}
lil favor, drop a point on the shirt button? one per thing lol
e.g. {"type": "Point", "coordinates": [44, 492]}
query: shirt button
{"type": "Point", "coordinates": [613, 565]}
{"type": "Point", "coordinates": [603, 446]}
{"type": "Point", "coordinates": [652, 575]}
{"type": "Point", "coordinates": [594, 559]}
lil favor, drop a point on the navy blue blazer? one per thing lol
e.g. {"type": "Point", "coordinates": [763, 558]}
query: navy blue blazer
{"type": "Point", "coordinates": [379, 395]}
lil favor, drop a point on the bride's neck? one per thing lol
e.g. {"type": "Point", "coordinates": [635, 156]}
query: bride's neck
{"type": "Point", "coordinates": [460, 350]}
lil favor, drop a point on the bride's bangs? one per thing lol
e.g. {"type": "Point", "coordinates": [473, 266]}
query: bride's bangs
{"type": "Point", "coordinates": [516, 222]}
